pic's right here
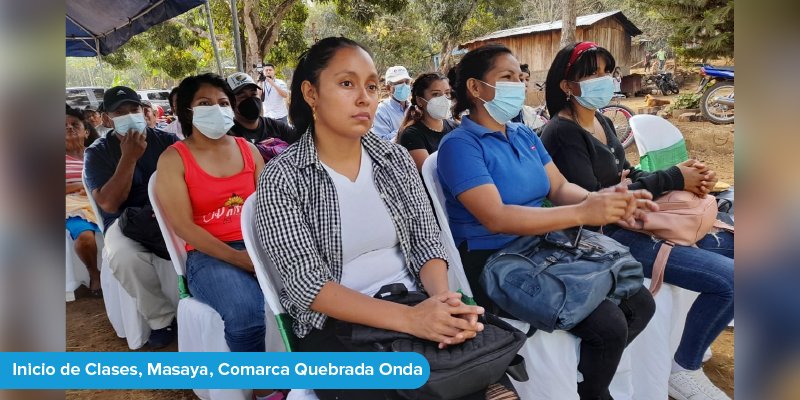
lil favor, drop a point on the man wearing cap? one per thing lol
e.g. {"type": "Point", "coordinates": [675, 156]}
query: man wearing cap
{"type": "Point", "coordinates": [105, 121]}
{"type": "Point", "coordinates": [248, 122]}
{"type": "Point", "coordinates": [93, 116]}
{"type": "Point", "coordinates": [390, 111]}
{"type": "Point", "coordinates": [149, 114]}
{"type": "Point", "coordinates": [117, 168]}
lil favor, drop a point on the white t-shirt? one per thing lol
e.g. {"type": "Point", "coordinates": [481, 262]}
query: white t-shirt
{"type": "Point", "coordinates": [274, 103]}
{"type": "Point", "coordinates": [371, 255]}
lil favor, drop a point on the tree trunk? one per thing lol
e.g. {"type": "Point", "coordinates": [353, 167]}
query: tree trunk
{"type": "Point", "coordinates": [272, 27]}
{"type": "Point", "coordinates": [569, 13]}
{"type": "Point", "coordinates": [261, 35]}
{"type": "Point", "coordinates": [251, 28]}
{"type": "Point", "coordinates": [451, 39]}
{"type": "Point", "coordinates": [447, 55]}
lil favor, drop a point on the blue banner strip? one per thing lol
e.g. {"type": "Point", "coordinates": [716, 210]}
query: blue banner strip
{"type": "Point", "coordinates": [71, 370]}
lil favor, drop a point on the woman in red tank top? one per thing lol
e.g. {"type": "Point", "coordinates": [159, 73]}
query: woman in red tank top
{"type": "Point", "coordinates": [202, 184]}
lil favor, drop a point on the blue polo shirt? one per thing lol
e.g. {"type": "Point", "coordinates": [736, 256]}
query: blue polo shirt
{"type": "Point", "coordinates": [473, 155]}
{"type": "Point", "coordinates": [388, 118]}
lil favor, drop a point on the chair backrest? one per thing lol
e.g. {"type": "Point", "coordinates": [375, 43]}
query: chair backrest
{"type": "Point", "coordinates": [93, 203]}
{"type": "Point", "coordinates": [660, 143]}
{"type": "Point", "coordinates": [266, 272]}
{"type": "Point", "coordinates": [175, 245]}
{"type": "Point", "coordinates": [431, 179]}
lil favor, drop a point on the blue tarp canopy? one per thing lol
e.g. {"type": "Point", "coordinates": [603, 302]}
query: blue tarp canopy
{"type": "Point", "coordinates": [98, 27]}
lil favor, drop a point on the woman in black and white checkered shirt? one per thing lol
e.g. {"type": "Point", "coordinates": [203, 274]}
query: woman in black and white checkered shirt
{"type": "Point", "coordinates": [342, 213]}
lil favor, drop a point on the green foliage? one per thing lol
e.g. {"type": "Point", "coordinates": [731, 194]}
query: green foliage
{"type": "Point", "coordinates": [400, 39]}
{"type": "Point", "coordinates": [686, 101]}
{"type": "Point", "coordinates": [700, 29]}
{"type": "Point", "coordinates": [291, 42]}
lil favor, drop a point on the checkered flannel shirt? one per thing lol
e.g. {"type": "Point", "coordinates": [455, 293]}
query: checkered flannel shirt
{"type": "Point", "coordinates": [297, 219]}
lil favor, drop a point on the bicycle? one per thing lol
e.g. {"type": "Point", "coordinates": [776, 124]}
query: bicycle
{"type": "Point", "coordinates": [619, 116]}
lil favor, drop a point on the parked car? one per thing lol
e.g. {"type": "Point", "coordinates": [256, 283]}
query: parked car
{"type": "Point", "coordinates": [82, 97]}
{"type": "Point", "coordinates": [157, 97]}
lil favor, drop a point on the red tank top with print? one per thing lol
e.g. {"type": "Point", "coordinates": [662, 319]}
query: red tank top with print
{"type": "Point", "coordinates": [217, 202]}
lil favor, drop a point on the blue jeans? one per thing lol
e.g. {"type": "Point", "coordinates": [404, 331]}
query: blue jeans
{"type": "Point", "coordinates": [234, 294]}
{"type": "Point", "coordinates": [707, 270]}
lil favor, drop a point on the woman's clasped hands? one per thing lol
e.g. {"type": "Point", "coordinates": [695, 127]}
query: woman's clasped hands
{"type": "Point", "coordinates": [445, 319]}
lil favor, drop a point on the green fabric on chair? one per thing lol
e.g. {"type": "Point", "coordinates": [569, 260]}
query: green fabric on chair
{"type": "Point", "coordinates": [285, 322]}
{"type": "Point", "coordinates": [662, 159]}
{"type": "Point", "coordinates": [183, 287]}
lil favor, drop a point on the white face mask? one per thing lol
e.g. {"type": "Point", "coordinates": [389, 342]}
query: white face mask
{"type": "Point", "coordinates": [213, 121]}
{"type": "Point", "coordinates": [438, 107]}
{"type": "Point", "coordinates": [124, 123]}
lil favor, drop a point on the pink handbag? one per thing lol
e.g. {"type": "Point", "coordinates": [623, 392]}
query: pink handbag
{"type": "Point", "coordinates": [683, 219]}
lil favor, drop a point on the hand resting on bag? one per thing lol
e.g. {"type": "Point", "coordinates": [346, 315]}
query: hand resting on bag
{"type": "Point", "coordinates": [443, 318]}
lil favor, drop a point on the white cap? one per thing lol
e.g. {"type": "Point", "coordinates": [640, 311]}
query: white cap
{"type": "Point", "coordinates": [396, 74]}
{"type": "Point", "coordinates": [239, 81]}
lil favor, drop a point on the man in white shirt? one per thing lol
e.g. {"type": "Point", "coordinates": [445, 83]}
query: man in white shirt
{"type": "Point", "coordinates": [275, 93]}
{"type": "Point", "coordinates": [390, 111]}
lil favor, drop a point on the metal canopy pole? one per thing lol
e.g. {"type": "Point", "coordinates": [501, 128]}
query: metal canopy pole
{"type": "Point", "coordinates": [213, 38]}
{"type": "Point", "coordinates": [236, 44]}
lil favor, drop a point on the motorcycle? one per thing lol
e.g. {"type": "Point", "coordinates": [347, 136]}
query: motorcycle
{"type": "Point", "coordinates": [665, 82]}
{"type": "Point", "coordinates": [716, 103]}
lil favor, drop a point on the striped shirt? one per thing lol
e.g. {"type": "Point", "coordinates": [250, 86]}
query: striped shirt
{"type": "Point", "coordinates": [74, 169]}
{"type": "Point", "coordinates": [297, 219]}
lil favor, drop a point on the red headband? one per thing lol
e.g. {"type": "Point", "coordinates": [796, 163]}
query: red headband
{"type": "Point", "coordinates": [579, 49]}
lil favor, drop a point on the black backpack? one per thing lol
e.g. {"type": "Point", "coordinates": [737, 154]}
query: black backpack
{"type": "Point", "coordinates": [455, 371]}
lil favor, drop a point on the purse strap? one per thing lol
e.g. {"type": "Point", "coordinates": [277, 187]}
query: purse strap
{"type": "Point", "coordinates": [659, 265]}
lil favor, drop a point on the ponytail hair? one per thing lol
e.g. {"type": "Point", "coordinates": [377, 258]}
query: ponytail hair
{"type": "Point", "coordinates": [475, 64]}
{"type": "Point", "coordinates": [309, 66]}
{"type": "Point", "coordinates": [415, 112]}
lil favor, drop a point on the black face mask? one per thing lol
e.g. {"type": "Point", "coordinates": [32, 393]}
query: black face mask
{"type": "Point", "coordinates": [250, 108]}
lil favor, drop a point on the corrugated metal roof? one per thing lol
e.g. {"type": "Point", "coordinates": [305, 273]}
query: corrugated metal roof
{"type": "Point", "coordinates": [584, 20]}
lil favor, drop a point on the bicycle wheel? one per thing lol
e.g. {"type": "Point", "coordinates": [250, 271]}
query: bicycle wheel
{"type": "Point", "coordinates": [619, 116]}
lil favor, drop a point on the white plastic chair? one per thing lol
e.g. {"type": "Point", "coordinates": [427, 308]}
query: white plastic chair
{"type": "Point", "coordinates": [200, 327]}
{"type": "Point", "coordinates": [551, 359]}
{"type": "Point", "coordinates": [117, 301]}
{"type": "Point", "coordinates": [660, 144]}
{"type": "Point", "coordinates": [120, 306]}
{"type": "Point", "coordinates": [266, 273]}
{"type": "Point", "coordinates": [271, 284]}
{"type": "Point", "coordinates": [76, 272]}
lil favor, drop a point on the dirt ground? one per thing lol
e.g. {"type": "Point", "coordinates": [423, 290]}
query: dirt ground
{"type": "Point", "coordinates": [88, 328]}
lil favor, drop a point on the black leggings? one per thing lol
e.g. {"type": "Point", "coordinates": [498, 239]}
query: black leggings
{"type": "Point", "coordinates": [604, 333]}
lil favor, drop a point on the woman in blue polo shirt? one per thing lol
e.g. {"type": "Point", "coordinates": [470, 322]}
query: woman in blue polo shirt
{"type": "Point", "coordinates": [495, 176]}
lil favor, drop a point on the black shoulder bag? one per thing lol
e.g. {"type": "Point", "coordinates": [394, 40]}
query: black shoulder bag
{"type": "Point", "coordinates": [455, 371]}
{"type": "Point", "coordinates": [140, 224]}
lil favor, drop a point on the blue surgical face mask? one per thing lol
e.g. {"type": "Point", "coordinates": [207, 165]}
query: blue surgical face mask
{"type": "Point", "coordinates": [401, 92]}
{"type": "Point", "coordinates": [212, 121]}
{"type": "Point", "coordinates": [124, 123]}
{"type": "Point", "coordinates": [509, 97]}
{"type": "Point", "coordinates": [596, 93]}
